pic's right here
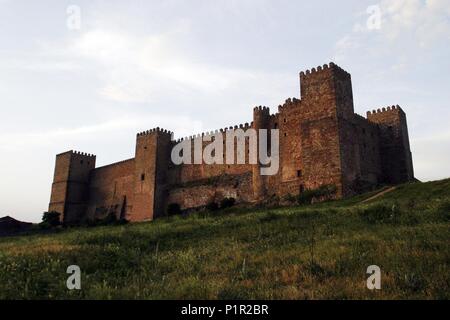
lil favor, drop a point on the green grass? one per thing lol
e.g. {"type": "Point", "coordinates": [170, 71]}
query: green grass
{"type": "Point", "coordinates": [312, 252]}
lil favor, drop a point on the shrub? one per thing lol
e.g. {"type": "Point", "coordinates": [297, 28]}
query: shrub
{"type": "Point", "coordinates": [173, 209]}
{"type": "Point", "coordinates": [380, 213]}
{"type": "Point", "coordinates": [324, 192]}
{"type": "Point", "coordinates": [227, 203]}
{"type": "Point", "coordinates": [212, 206]}
{"type": "Point", "coordinates": [289, 198]}
{"type": "Point", "coordinates": [50, 220]}
{"type": "Point", "coordinates": [109, 219]}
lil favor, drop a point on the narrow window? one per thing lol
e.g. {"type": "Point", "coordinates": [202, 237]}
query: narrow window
{"type": "Point", "coordinates": [299, 173]}
{"type": "Point", "coordinates": [143, 177]}
{"type": "Point", "coordinates": [81, 161]}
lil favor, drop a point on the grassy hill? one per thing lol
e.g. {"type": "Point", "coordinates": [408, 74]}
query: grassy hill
{"type": "Point", "coordinates": [311, 252]}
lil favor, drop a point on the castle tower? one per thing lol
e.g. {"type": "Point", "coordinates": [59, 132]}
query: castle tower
{"type": "Point", "coordinates": [150, 177]}
{"type": "Point", "coordinates": [326, 98]}
{"type": "Point", "coordinates": [328, 92]}
{"type": "Point", "coordinates": [396, 158]}
{"type": "Point", "coordinates": [70, 185]}
{"type": "Point", "coordinates": [261, 118]}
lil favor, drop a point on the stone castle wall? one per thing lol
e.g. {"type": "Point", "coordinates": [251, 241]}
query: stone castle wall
{"type": "Point", "coordinates": [322, 142]}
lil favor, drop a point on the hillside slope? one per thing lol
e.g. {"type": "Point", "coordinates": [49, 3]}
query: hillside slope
{"type": "Point", "coordinates": [312, 252]}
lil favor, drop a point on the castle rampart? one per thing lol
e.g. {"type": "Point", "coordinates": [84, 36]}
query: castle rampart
{"type": "Point", "coordinates": [321, 142]}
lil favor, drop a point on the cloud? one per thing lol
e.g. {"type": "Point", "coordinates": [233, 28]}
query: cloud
{"type": "Point", "coordinates": [18, 141]}
{"type": "Point", "coordinates": [426, 20]}
{"type": "Point", "coordinates": [136, 68]}
{"type": "Point", "coordinates": [142, 68]}
{"type": "Point", "coordinates": [406, 25]}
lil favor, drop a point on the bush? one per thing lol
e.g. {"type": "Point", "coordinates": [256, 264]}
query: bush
{"type": "Point", "coordinates": [109, 219]}
{"type": "Point", "coordinates": [380, 213]}
{"type": "Point", "coordinates": [387, 213]}
{"type": "Point", "coordinates": [50, 220]}
{"type": "Point", "coordinates": [173, 209]}
{"type": "Point", "coordinates": [212, 206]}
{"type": "Point", "coordinates": [324, 192]}
{"type": "Point", "coordinates": [227, 203]}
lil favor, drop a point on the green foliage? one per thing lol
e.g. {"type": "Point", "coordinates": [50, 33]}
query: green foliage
{"type": "Point", "coordinates": [212, 206]}
{"type": "Point", "coordinates": [306, 252]}
{"type": "Point", "coordinates": [173, 209]}
{"type": "Point", "coordinates": [50, 220]}
{"type": "Point", "coordinates": [290, 198]}
{"type": "Point", "coordinates": [325, 192]}
{"type": "Point", "coordinates": [380, 213]}
{"type": "Point", "coordinates": [109, 219]}
{"type": "Point", "coordinates": [227, 203]}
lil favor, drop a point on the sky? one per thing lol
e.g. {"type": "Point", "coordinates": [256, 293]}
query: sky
{"type": "Point", "coordinates": [89, 75]}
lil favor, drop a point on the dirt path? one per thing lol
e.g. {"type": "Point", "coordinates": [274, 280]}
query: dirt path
{"type": "Point", "coordinates": [379, 194]}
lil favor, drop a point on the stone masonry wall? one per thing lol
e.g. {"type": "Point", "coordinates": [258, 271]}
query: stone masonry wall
{"type": "Point", "coordinates": [322, 142]}
{"type": "Point", "coordinates": [111, 191]}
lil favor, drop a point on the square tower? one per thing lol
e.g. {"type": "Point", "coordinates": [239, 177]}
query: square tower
{"type": "Point", "coordinates": [70, 188]}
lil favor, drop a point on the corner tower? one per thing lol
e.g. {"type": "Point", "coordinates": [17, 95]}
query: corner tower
{"type": "Point", "coordinates": [396, 158]}
{"type": "Point", "coordinates": [70, 188]}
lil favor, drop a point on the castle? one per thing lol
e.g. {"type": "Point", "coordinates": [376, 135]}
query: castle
{"type": "Point", "coordinates": [321, 142]}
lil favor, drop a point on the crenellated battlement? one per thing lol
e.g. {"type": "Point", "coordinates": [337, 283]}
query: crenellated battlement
{"type": "Point", "coordinates": [154, 130]}
{"type": "Point", "coordinates": [290, 102]}
{"type": "Point", "coordinates": [321, 69]}
{"type": "Point", "coordinates": [84, 154]}
{"type": "Point", "coordinates": [265, 111]}
{"type": "Point", "coordinates": [262, 109]}
{"type": "Point", "coordinates": [78, 153]}
{"type": "Point", "coordinates": [316, 70]}
{"type": "Point", "coordinates": [395, 108]}
{"type": "Point", "coordinates": [243, 126]}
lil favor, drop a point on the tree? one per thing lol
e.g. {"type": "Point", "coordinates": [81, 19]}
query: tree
{"type": "Point", "coordinates": [50, 219]}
